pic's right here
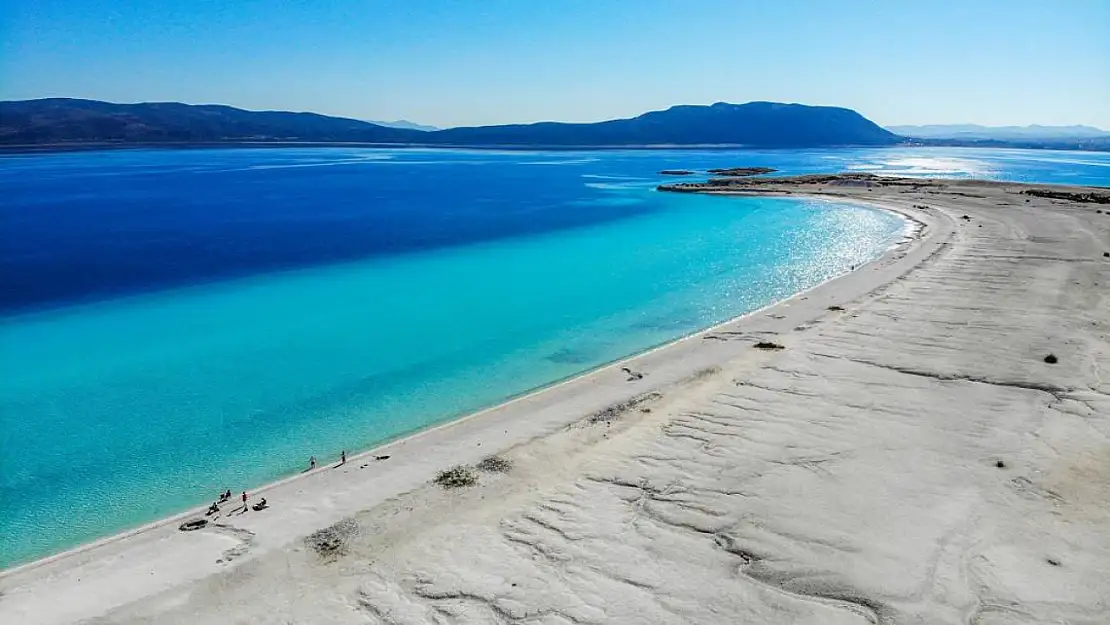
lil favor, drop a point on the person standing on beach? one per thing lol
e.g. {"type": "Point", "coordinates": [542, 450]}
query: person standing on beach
{"type": "Point", "coordinates": [343, 457]}
{"type": "Point", "coordinates": [244, 501]}
{"type": "Point", "coordinates": [312, 463]}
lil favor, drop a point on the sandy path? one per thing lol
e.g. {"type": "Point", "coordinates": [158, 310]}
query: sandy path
{"type": "Point", "coordinates": [909, 459]}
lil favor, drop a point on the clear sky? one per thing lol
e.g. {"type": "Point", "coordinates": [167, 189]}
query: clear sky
{"type": "Point", "coordinates": [496, 61]}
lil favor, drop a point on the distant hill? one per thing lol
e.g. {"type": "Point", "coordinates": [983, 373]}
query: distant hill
{"type": "Point", "coordinates": [757, 124]}
{"type": "Point", "coordinates": [65, 120]}
{"type": "Point", "coordinates": [1000, 133]}
{"type": "Point", "coordinates": [405, 124]}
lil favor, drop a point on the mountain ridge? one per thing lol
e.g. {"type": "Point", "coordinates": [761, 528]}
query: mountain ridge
{"type": "Point", "coordinates": [755, 124]}
{"type": "Point", "coordinates": [404, 124]}
{"type": "Point", "coordinates": [1005, 133]}
{"type": "Point", "coordinates": [761, 124]}
{"type": "Point", "coordinates": [80, 121]}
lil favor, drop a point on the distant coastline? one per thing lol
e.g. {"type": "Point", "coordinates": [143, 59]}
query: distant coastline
{"type": "Point", "coordinates": [1100, 144]}
{"type": "Point", "coordinates": [67, 124]}
{"type": "Point", "coordinates": [48, 148]}
{"type": "Point", "coordinates": [193, 145]}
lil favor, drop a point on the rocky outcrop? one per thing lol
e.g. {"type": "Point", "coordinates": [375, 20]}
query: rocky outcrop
{"type": "Point", "coordinates": [1096, 198]}
{"type": "Point", "coordinates": [743, 171]}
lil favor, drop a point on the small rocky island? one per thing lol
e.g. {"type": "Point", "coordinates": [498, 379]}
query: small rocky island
{"type": "Point", "coordinates": [743, 171]}
{"type": "Point", "coordinates": [778, 185]}
{"type": "Point", "coordinates": [732, 172]}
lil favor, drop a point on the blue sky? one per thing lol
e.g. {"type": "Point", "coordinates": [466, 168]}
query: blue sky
{"type": "Point", "coordinates": [498, 61]}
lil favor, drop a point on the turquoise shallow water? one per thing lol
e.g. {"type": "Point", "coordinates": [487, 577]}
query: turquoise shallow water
{"type": "Point", "coordinates": [120, 409]}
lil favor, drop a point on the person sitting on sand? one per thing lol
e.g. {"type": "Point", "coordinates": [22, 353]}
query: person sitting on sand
{"type": "Point", "coordinates": [632, 375]}
{"type": "Point", "coordinates": [212, 509]}
{"type": "Point", "coordinates": [261, 505]}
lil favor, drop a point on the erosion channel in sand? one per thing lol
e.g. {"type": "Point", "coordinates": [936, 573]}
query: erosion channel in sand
{"type": "Point", "coordinates": [902, 451]}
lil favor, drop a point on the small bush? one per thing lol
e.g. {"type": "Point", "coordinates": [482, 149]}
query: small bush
{"type": "Point", "coordinates": [768, 345]}
{"type": "Point", "coordinates": [332, 542]}
{"type": "Point", "coordinates": [836, 308]}
{"type": "Point", "coordinates": [456, 477]}
{"type": "Point", "coordinates": [1051, 359]}
{"type": "Point", "coordinates": [495, 464]}
{"type": "Point", "coordinates": [616, 410]}
{"type": "Point", "coordinates": [707, 372]}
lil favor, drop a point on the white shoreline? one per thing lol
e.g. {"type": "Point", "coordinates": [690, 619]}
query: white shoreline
{"type": "Point", "coordinates": [911, 232]}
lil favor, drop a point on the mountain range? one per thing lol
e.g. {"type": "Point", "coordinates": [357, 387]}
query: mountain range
{"type": "Point", "coordinates": [56, 121]}
{"type": "Point", "coordinates": [62, 123]}
{"type": "Point", "coordinates": [403, 123]}
{"type": "Point", "coordinates": [1001, 133]}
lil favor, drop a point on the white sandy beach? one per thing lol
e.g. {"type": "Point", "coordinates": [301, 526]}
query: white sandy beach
{"type": "Point", "coordinates": [907, 458]}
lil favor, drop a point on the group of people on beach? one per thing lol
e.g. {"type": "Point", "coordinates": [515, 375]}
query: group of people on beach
{"type": "Point", "coordinates": [226, 497]}
{"type": "Point", "coordinates": [262, 504]}
{"type": "Point", "coordinates": [342, 460]}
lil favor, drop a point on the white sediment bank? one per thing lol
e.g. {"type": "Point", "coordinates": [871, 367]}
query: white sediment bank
{"type": "Point", "coordinates": [908, 456]}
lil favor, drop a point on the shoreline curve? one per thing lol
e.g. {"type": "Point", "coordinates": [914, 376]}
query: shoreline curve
{"type": "Point", "coordinates": [914, 228]}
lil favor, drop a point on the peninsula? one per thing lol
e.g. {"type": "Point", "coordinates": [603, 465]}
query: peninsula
{"type": "Point", "coordinates": [923, 440]}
